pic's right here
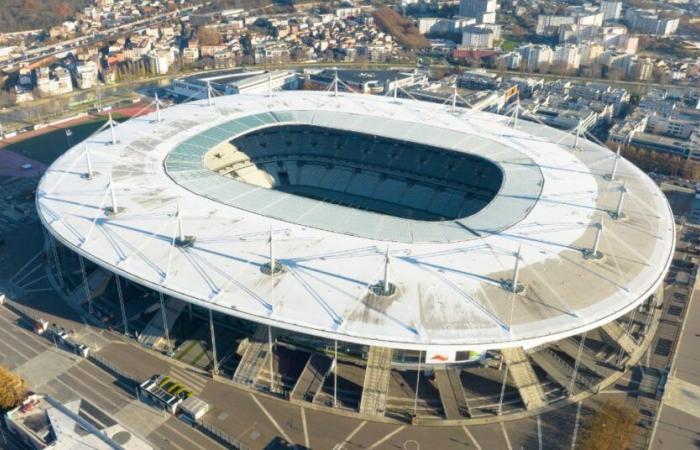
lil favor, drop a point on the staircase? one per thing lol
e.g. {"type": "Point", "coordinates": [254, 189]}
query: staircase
{"type": "Point", "coordinates": [452, 396]}
{"type": "Point", "coordinates": [311, 379]}
{"type": "Point", "coordinates": [570, 347]}
{"type": "Point", "coordinates": [523, 377]}
{"type": "Point", "coordinates": [253, 359]}
{"type": "Point", "coordinates": [556, 368]}
{"type": "Point", "coordinates": [153, 334]}
{"type": "Point", "coordinates": [617, 336]}
{"type": "Point", "coordinates": [97, 283]}
{"type": "Point", "coordinates": [376, 384]}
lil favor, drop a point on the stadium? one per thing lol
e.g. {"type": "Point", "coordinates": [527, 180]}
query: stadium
{"type": "Point", "coordinates": [371, 254]}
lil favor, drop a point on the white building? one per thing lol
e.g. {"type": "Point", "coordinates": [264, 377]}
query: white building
{"type": "Point", "coordinates": [566, 57]}
{"type": "Point", "coordinates": [160, 61]}
{"type": "Point", "coordinates": [56, 83]}
{"type": "Point", "coordinates": [511, 60]}
{"type": "Point", "coordinates": [648, 21]}
{"type": "Point", "coordinates": [484, 11]}
{"type": "Point", "coordinates": [237, 81]}
{"type": "Point", "coordinates": [535, 56]}
{"type": "Point", "coordinates": [589, 52]}
{"type": "Point", "coordinates": [86, 75]}
{"type": "Point", "coordinates": [442, 25]}
{"type": "Point", "coordinates": [477, 37]}
{"type": "Point", "coordinates": [611, 9]}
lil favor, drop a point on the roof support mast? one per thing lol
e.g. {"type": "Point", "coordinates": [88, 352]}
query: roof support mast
{"type": "Point", "coordinates": [516, 272]}
{"type": "Point", "coordinates": [111, 130]}
{"type": "Point", "coordinates": [182, 240]}
{"type": "Point", "coordinates": [89, 175]}
{"type": "Point", "coordinates": [578, 134]}
{"type": "Point", "coordinates": [272, 253]}
{"type": "Point", "coordinates": [269, 84]}
{"type": "Point", "coordinates": [618, 211]}
{"type": "Point", "coordinates": [597, 236]}
{"type": "Point", "coordinates": [385, 282]}
{"type": "Point", "coordinates": [613, 172]}
{"type": "Point", "coordinates": [157, 107]}
{"type": "Point", "coordinates": [115, 207]}
{"type": "Point", "coordinates": [454, 98]}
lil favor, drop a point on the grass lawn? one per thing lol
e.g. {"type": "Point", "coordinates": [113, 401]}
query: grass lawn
{"type": "Point", "coordinates": [509, 44]}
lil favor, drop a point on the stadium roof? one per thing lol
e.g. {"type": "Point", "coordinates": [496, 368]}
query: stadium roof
{"type": "Point", "coordinates": [451, 286]}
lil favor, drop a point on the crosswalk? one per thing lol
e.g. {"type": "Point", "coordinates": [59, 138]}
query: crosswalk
{"type": "Point", "coordinates": [190, 379]}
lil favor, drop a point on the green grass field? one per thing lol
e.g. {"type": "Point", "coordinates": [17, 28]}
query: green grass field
{"type": "Point", "coordinates": [508, 44]}
{"type": "Point", "coordinates": [46, 147]}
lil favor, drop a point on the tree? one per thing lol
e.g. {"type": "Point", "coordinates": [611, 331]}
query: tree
{"type": "Point", "coordinates": [612, 427]}
{"type": "Point", "coordinates": [12, 389]}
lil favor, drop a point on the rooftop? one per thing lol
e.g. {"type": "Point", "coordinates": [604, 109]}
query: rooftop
{"type": "Point", "coordinates": [451, 276]}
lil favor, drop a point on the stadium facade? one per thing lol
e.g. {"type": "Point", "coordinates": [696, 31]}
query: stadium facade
{"type": "Point", "coordinates": [374, 235]}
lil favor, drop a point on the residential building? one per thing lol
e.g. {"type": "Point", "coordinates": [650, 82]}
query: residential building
{"type": "Point", "coordinates": [535, 56]}
{"type": "Point", "coordinates": [611, 9]}
{"type": "Point", "coordinates": [484, 11]}
{"type": "Point", "coordinates": [86, 75]}
{"type": "Point", "coordinates": [566, 57]}
{"type": "Point", "coordinates": [648, 21]}
{"type": "Point", "coordinates": [510, 60]}
{"type": "Point", "coordinates": [477, 37]}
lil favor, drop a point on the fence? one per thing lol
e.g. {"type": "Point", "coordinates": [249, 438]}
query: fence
{"type": "Point", "coordinates": [220, 435]}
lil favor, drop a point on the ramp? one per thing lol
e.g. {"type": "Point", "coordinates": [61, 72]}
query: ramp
{"type": "Point", "coordinates": [376, 384]}
{"type": "Point", "coordinates": [617, 336]}
{"type": "Point", "coordinates": [254, 357]}
{"type": "Point", "coordinates": [153, 334]}
{"type": "Point", "coordinates": [524, 378]}
{"type": "Point", "coordinates": [452, 396]}
{"type": "Point", "coordinates": [311, 379]}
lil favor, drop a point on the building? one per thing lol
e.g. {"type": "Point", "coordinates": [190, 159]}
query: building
{"type": "Point", "coordinates": [270, 52]}
{"type": "Point", "coordinates": [440, 25]}
{"type": "Point", "coordinates": [230, 82]}
{"type": "Point", "coordinates": [611, 9]}
{"type": "Point", "coordinates": [648, 21]}
{"type": "Point", "coordinates": [86, 75]}
{"type": "Point", "coordinates": [510, 60]}
{"type": "Point", "coordinates": [160, 61]}
{"type": "Point", "coordinates": [589, 53]}
{"type": "Point", "coordinates": [42, 422]}
{"type": "Point", "coordinates": [695, 208]}
{"type": "Point", "coordinates": [477, 37]}
{"type": "Point", "coordinates": [54, 82]}
{"type": "Point", "coordinates": [536, 56]}
{"type": "Point", "coordinates": [549, 24]}
{"type": "Point", "coordinates": [367, 82]}
{"type": "Point", "coordinates": [566, 57]}
{"type": "Point", "coordinates": [381, 232]}
{"type": "Point", "coordinates": [484, 11]}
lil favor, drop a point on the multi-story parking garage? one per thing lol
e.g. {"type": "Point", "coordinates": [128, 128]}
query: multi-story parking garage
{"type": "Point", "coordinates": [374, 254]}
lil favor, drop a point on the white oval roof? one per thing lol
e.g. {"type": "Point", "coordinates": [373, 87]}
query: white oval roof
{"type": "Point", "coordinates": [451, 293]}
